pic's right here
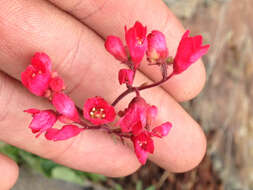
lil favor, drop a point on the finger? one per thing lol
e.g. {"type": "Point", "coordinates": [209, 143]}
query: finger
{"type": "Point", "coordinates": [90, 151]}
{"type": "Point", "coordinates": [90, 72]}
{"type": "Point", "coordinates": [110, 17]}
{"type": "Point", "coordinates": [9, 172]}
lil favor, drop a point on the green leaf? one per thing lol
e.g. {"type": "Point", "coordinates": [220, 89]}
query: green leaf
{"type": "Point", "coordinates": [31, 160]}
{"type": "Point", "coordinates": [47, 166]}
{"type": "Point", "coordinates": [139, 185]}
{"type": "Point", "coordinates": [96, 177]}
{"type": "Point", "coordinates": [10, 151]}
{"type": "Point", "coordinates": [118, 187]}
{"type": "Point", "coordinates": [67, 174]}
{"type": "Point", "coordinates": [150, 188]}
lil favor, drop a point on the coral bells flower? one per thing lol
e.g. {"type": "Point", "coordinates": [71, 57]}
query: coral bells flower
{"type": "Point", "coordinates": [135, 118]}
{"type": "Point", "coordinates": [137, 42]}
{"type": "Point", "coordinates": [162, 130]}
{"type": "Point", "coordinates": [98, 111]}
{"type": "Point", "coordinates": [190, 49]}
{"type": "Point", "coordinates": [42, 60]}
{"type": "Point", "coordinates": [42, 120]}
{"type": "Point", "coordinates": [56, 84]}
{"type": "Point", "coordinates": [36, 77]}
{"type": "Point", "coordinates": [126, 76]}
{"type": "Point", "coordinates": [143, 144]}
{"type": "Point", "coordinates": [65, 106]}
{"type": "Point", "coordinates": [157, 49]}
{"type": "Point", "coordinates": [115, 47]}
{"type": "Point", "coordinates": [64, 133]}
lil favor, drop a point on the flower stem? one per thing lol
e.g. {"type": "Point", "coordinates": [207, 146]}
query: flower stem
{"type": "Point", "coordinates": [130, 90]}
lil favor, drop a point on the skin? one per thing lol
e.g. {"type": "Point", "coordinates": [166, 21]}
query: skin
{"type": "Point", "coordinates": [10, 170]}
{"type": "Point", "coordinates": [72, 33]}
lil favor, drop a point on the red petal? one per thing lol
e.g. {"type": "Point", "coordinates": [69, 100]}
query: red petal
{"type": "Point", "coordinates": [98, 103]}
{"type": "Point", "coordinates": [42, 121]}
{"type": "Point", "coordinates": [56, 84]}
{"type": "Point", "coordinates": [136, 42]}
{"type": "Point", "coordinates": [161, 130]}
{"type": "Point", "coordinates": [115, 47]}
{"type": "Point", "coordinates": [157, 48]}
{"type": "Point", "coordinates": [126, 76]}
{"type": "Point", "coordinates": [64, 133]}
{"type": "Point", "coordinates": [65, 106]}
{"type": "Point", "coordinates": [41, 61]}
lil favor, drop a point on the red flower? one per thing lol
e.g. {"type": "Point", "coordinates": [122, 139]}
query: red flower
{"type": "Point", "coordinates": [64, 133]}
{"type": "Point", "coordinates": [162, 130]}
{"type": "Point", "coordinates": [190, 49]}
{"type": "Point", "coordinates": [126, 76]}
{"type": "Point", "coordinates": [157, 48]}
{"type": "Point", "coordinates": [151, 114]}
{"type": "Point", "coordinates": [135, 117]}
{"type": "Point", "coordinates": [115, 47]}
{"type": "Point", "coordinates": [42, 61]}
{"type": "Point", "coordinates": [98, 111]}
{"type": "Point", "coordinates": [36, 77]}
{"type": "Point", "coordinates": [143, 144]}
{"type": "Point", "coordinates": [42, 120]}
{"type": "Point", "coordinates": [65, 106]}
{"type": "Point", "coordinates": [137, 42]}
{"type": "Point", "coordinates": [56, 84]}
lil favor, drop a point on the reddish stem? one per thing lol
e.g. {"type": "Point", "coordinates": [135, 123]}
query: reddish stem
{"type": "Point", "coordinates": [130, 90]}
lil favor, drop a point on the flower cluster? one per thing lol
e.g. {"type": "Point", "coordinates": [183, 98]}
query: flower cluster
{"type": "Point", "coordinates": [39, 79]}
{"type": "Point", "coordinates": [135, 122]}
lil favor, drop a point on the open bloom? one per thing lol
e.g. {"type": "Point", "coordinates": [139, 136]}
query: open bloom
{"type": "Point", "coordinates": [126, 76]}
{"type": "Point", "coordinates": [37, 75]}
{"type": "Point", "coordinates": [42, 120]}
{"type": "Point", "coordinates": [98, 111]}
{"type": "Point", "coordinates": [115, 47]}
{"type": "Point", "coordinates": [65, 106]}
{"type": "Point", "coordinates": [137, 42]}
{"type": "Point", "coordinates": [64, 133]}
{"type": "Point", "coordinates": [190, 49]}
{"type": "Point", "coordinates": [143, 144]}
{"type": "Point", "coordinates": [157, 49]}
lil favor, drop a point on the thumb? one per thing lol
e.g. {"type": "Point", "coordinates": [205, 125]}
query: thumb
{"type": "Point", "coordinates": [9, 173]}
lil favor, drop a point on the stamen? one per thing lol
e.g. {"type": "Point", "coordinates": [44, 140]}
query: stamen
{"type": "Point", "coordinates": [97, 113]}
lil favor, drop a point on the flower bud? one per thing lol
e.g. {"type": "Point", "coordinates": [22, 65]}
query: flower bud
{"type": "Point", "coordinates": [64, 133]}
{"type": "Point", "coordinates": [162, 130]}
{"type": "Point", "coordinates": [115, 47]}
{"type": "Point", "coordinates": [157, 48]}
{"type": "Point", "coordinates": [65, 106]}
{"type": "Point", "coordinates": [126, 76]}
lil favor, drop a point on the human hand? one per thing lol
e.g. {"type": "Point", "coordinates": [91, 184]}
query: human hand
{"type": "Point", "coordinates": [73, 33]}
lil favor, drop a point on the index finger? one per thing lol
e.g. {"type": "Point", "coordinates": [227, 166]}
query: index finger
{"type": "Point", "coordinates": [110, 17]}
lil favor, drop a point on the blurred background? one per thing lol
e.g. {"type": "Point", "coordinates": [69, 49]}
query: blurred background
{"type": "Point", "coordinates": [223, 109]}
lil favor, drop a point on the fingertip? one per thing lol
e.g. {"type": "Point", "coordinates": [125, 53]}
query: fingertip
{"type": "Point", "coordinates": [124, 168]}
{"type": "Point", "coordinates": [182, 150]}
{"type": "Point", "coordinates": [10, 170]}
{"type": "Point", "coordinates": [188, 84]}
{"type": "Point", "coordinates": [197, 154]}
